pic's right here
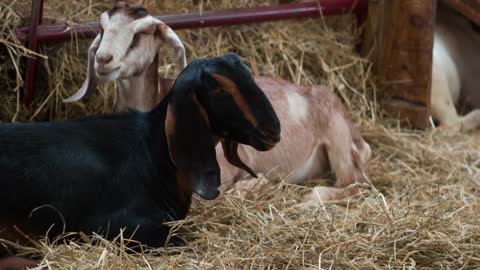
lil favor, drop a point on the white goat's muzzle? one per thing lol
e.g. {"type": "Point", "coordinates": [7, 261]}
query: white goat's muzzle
{"type": "Point", "coordinates": [107, 74]}
{"type": "Point", "coordinates": [111, 59]}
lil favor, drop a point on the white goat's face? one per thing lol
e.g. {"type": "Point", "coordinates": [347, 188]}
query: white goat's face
{"type": "Point", "coordinates": [126, 46]}
{"type": "Point", "coordinates": [130, 39]}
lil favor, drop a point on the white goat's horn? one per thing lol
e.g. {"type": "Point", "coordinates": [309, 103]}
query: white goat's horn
{"type": "Point", "coordinates": [143, 23]}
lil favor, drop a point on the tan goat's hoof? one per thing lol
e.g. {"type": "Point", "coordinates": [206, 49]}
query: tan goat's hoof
{"type": "Point", "coordinates": [322, 194]}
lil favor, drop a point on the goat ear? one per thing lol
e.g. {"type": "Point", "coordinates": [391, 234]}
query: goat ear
{"type": "Point", "coordinates": [174, 41]}
{"type": "Point", "coordinates": [230, 151]}
{"type": "Point", "coordinates": [91, 81]}
{"type": "Point", "coordinates": [191, 145]}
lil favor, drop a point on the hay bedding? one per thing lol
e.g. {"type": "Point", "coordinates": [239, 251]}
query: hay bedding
{"type": "Point", "coordinates": [424, 209]}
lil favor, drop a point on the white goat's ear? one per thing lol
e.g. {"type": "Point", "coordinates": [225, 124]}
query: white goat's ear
{"type": "Point", "coordinates": [91, 81]}
{"type": "Point", "coordinates": [173, 40]}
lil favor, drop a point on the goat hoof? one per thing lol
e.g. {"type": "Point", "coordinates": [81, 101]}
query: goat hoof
{"type": "Point", "coordinates": [330, 195]}
{"type": "Point", "coordinates": [321, 194]}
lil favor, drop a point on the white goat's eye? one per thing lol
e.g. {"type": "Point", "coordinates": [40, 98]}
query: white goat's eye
{"type": "Point", "coordinates": [135, 40]}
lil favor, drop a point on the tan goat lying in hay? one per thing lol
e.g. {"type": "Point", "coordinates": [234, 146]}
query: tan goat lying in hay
{"type": "Point", "coordinates": [318, 135]}
{"type": "Point", "coordinates": [456, 70]}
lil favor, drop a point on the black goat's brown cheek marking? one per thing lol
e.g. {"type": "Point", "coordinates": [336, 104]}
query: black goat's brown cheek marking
{"type": "Point", "coordinates": [170, 130]}
{"type": "Point", "coordinates": [183, 183]}
{"type": "Point", "coordinates": [202, 110]}
{"type": "Point", "coordinates": [231, 87]}
{"type": "Point", "coordinates": [170, 122]}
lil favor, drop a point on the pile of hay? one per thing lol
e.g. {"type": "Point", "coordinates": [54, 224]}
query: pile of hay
{"type": "Point", "coordinates": [424, 211]}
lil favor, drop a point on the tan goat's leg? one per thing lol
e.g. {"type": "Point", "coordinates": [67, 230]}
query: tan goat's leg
{"type": "Point", "coordinates": [329, 194]}
{"type": "Point", "coordinates": [344, 161]}
{"type": "Point", "coordinates": [342, 153]}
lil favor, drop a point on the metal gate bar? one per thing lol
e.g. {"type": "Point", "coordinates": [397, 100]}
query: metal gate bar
{"type": "Point", "coordinates": [62, 32]}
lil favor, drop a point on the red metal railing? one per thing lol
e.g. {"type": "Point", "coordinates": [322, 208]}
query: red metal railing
{"type": "Point", "coordinates": [63, 32]}
{"type": "Point", "coordinates": [37, 14]}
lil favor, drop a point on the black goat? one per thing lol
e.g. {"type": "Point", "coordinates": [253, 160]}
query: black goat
{"type": "Point", "coordinates": [133, 170]}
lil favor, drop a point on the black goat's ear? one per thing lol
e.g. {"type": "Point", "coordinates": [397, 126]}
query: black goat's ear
{"type": "Point", "coordinates": [191, 145]}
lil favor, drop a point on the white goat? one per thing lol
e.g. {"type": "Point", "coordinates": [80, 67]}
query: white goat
{"type": "Point", "coordinates": [127, 50]}
{"type": "Point", "coordinates": [455, 70]}
{"type": "Point", "coordinates": [317, 136]}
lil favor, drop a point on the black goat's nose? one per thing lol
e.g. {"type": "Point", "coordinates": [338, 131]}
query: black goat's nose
{"type": "Point", "coordinates": [272, 134]}
{"type": "Point", "coordinates": [275, 138]}
{"type": "Point", "coordinates": [104, 58]}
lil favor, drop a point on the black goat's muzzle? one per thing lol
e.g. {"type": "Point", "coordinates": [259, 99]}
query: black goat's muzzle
{"type": "Point", "coordinates": [267, 139]}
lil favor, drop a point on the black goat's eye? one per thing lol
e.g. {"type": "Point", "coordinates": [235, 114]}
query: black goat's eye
{"type": "Point", "coordinates": [217, 90]}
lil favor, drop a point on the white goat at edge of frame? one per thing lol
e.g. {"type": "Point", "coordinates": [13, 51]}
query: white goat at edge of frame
{"type": "Point", "coordinates": [455, 70]}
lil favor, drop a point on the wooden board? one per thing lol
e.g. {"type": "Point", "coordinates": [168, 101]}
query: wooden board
{"type": "Point", "coordinates": [402, 38]}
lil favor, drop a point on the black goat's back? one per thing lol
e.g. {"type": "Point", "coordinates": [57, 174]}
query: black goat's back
{"type": "Point", "coordinates": [94, 174]}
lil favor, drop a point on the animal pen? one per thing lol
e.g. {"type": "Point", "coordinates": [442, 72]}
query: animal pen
{"type": "Point", "coordinates": [423, 207]}
{"type": "Point", "coordinates": [402, 64]}
{"type": "Point", "coordinates": [410, 101]}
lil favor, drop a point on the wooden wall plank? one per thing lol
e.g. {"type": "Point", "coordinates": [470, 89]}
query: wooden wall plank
{"type": "Point", "coordinates": [403, 56]}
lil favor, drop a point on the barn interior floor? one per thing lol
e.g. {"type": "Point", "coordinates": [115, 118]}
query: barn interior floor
{"type": "Point", "coordinates": [421, 211]}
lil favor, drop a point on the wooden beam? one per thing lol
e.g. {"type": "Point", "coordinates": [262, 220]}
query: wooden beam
{"type": "Point", "coordinates": [401, 32]}
{"type": "Point", "coordinates": [468, 8]}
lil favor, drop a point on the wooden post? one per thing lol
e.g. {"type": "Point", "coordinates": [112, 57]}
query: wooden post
{"type": "Point", "coordinates": [402, 34]}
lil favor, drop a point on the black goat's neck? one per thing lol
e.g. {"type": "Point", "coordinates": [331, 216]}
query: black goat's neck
{"type": "Point", "coordinates": [180, 189]}
{"type": "Point", "coordinates": [140, 92]}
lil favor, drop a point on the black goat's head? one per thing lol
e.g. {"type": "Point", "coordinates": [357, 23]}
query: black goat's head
{"type": "Point", "coordinates": [217, 99]}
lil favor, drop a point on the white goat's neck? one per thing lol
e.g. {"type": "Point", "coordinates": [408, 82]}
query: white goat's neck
{"type": "Point", "coordinates": [139, 92]}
